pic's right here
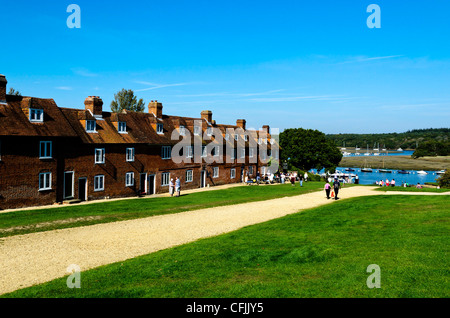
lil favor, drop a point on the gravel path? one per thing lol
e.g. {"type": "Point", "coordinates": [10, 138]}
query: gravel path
{"type": "Point", "coordinates": [40, 257]}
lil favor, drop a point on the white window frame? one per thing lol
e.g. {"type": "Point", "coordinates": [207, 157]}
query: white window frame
{"type": "Point", "coordinates": [204, 152]}
{"type": "Point", "coordinates": [100, 155]}
{"type": "Point", "coordinates": [91, 123]}
{"type": "Point", "coordinates": [189, 176]}
{"type": "Point", "coordinates": [242, 155]}
{"type": "Point", "coordinates": [251, 152]}
{"type": "Point", "coordinates": [129, 179]}
{"type": "Point", "coordinates": [233, 173]}
{"type": "Point", "coordinates": [47, 153]}
{"type": "Point", "coordinates": [45, 179]}
{"type": "Point", "coordinates": [182, 131]}
{"type": "Point", "coordinates": [197, 130]}
{"type": "Point", "coordinates": [166, 152]}
{"type": "Point", "coordinates": [250, 170]}
{"type": "Point", "coordinates": [165, 179]}
{"type": "Point", "coordinates": [209, 131]}
{"type": "Point", "coordinates": [216, 151]}
{"type": "Point", "coordinates": [160, 128]}
{"type": "Point", "coordinates": [36, 115]}
{"type": "Point", "coordinates": [236, 137]}
{"type": "Point", "coordinates": [130, 154]}
{"type": "Point", "coordinates": [227, 136]}
{"type": "Point", "coordinates": [97, 179]}
{"type": "Point", "coordinates": [189, 151]}
{"type": "Point", "coordinates": [215, 172]}
{"type": "Point", "coordinates": [122, 127]}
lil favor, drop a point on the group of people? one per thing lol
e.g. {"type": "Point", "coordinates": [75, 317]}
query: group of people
{"type": "Point", "coordinates": [386, 183]}
{"type": "Point", "coordinates": [175, 188]}
{"type": "Point", "coordinates": [335, 187]}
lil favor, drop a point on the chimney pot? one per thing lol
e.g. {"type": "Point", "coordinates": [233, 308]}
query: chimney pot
{"type": "Point", "coordinates": [155, 108]}
{"type": "Point", "coordinates": [206, 115]}
{"type": "Point", "coordinates": [94, 104]}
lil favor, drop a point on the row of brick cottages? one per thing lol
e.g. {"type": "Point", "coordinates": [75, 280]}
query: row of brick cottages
{"type": "Point", "coordinates": [51, 154]}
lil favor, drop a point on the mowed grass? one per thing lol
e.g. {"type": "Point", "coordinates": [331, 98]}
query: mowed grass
{"type": "Point", "coordinates": [29, 221]}
{"type": "Point", "coordinates": [321, 252]}
{"type": "Point", "coordinates": [412, 189]}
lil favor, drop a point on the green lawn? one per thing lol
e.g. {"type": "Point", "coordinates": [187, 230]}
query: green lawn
{"type": "Point", "coordinates": [321, 252]}
{"type": "Point", "coordinates": [412, 189]}
{"type": "Point", "coordinates": [21, 222]}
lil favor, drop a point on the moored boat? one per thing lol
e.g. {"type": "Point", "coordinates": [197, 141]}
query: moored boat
{"type": "Point", "coordinates": [403, 172]}
{"type": "Point", "coordinates": [422, 172]}
{"type": "Point", "coordinates": [440, 172]}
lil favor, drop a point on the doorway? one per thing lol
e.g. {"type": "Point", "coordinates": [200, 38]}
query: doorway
{"type": "Point", "coordinates": [151, 184]}
{"type": "Point", "coordinates": [82, 189]}
{"type": "Point", "coordinates": [203, 179]}
{"type": "Point", "coordinates": [143, 183]}
{"type": "Point", "coordinates": [68, 184]}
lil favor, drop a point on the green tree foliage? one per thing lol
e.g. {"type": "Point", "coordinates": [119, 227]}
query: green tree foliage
{"type": "Point", "coordinates": [406, 140]}
{"type": "Point", "coordinates": [432, 148]}
{"type": "Point", "coordinates": [125, 99]}
{"type": "Point", "coordinates": [307, 149]}
{"type": "Point", "coordinates": [444, 180]}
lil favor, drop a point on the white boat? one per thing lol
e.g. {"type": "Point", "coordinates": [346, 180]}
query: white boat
{"type": "Point", "coordinates": [440, 172]}
{"type": "Point", "coordinates": [422, 172]}
{"type": "Point", "coordinates": [399, 149]}
{"type": "Point", "coordinates": [376, 154]}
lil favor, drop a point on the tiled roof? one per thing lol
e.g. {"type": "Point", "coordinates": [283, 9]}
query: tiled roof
{"type": "Point", "coordinates": [14, 121]}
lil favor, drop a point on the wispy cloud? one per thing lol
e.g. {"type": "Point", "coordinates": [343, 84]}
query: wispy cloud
{"type": "Point", "coordinates": [157, 86]}
{"type": "Point", "coordinates": [233, 94]}
{"type": "Point", "coordinates": [64, 88]}
{"type": "Point", "coordinates": [83, 72]}
{"type": "Point", "coordinates": [361, 59]}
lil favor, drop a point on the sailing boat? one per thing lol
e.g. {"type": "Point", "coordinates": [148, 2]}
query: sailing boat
{"type": "Point", "coordinates": [384, 170]}
{"type": "Point", "coordinates": [367, 153]}
{"type": "Point", "coordinates": [365, 168]}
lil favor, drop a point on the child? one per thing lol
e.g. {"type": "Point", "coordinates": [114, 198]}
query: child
{"type": "Point", "coordinates": [327, 189]}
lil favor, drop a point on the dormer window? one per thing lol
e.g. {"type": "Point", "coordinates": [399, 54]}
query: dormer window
{"type": "Point", "coordinates": [90, 126]}
{"type": "Point", "coordinates": [209, 131]}
{"type": "Point", "coordinates": [196, 130]}
{"type": "Point", "coordinates": [182, 131]}
{"type": "Point", "coordinates": [122, 127]}
{"type": "Point", "coordinates": [159, 128]}
{"type": "Point", "coordinates": [236, 137]}
{"type": "Point", "coordinates": [36, 115]}
{"type": "Point", "coordinates": [227, 136]}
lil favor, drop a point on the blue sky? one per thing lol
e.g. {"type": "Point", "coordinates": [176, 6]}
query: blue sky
{"type": "Point", "coordinates": [288, 64]}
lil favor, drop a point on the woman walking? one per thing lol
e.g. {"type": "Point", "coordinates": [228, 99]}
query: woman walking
{"type": "Point", "coordinates": [171, 185]}
{"type": "Point", "coordinates": [327, 189]}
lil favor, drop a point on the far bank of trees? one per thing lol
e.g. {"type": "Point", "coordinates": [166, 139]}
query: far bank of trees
{"type": "Point", "coordinates": [432, 148]}
{"type": "Point", "coordinates": [410, 139]}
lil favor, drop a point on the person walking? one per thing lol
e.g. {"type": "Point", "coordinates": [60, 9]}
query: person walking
{"type": "Point", "coordinates": [301, 180]}
{"type": "Point", "coordinates": [306, 176]}
{"type": "Point", "coordinates": [356, 179]}
{"type": "Point", "coordinates": [393, 183]}
{"type": "Point", "coordinates": [336, 187]}
{"type": "Point", "coordinates": [177, 186]}
{"type": "Point", "coordinates": [327, 189]}
{"type": "Point", "coordinates": [171, 185]}
{"type": "Point", "coordinates": [292, 179]}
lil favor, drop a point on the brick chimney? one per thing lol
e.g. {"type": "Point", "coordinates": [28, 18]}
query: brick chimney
{"type": "Point", "coordinates": [207, 115]}
{"type": "Point", "coordinates": [155, 108]}
{"type": "Point", "coordinates": [94, 104]}
{"type": "Point", "coordinates": [241, 123]}
{"type": "Point", "coordinates": [266, 128]}
{"type": "Point", "coordinates": [3, 83]}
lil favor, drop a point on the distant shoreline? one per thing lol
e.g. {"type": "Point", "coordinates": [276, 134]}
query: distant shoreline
{"type": "Point", "coordinates": [397, 162]}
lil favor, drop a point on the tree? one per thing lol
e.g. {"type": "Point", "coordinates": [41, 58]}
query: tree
{"type": "Point", "coordinates": [307, 149]}
{"type": "Point", "coordinates": [12, 91]}
{"type": "Point", "coordinates": [444, 180]}
{"type": "Point", "coordinates": [125, 99]}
